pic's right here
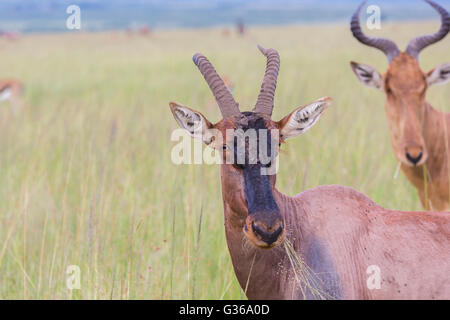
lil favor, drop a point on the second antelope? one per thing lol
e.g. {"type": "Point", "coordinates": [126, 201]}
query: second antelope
{"type": "Point", "coordinates": [420, 134]}
{"type": "Point", "coordinates": [321, 243]}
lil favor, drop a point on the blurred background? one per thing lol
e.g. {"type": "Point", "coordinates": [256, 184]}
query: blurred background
{"type": "Point", "coordinates": [101, 15]}
{"type": "Point", "coordinates": [86, 177]}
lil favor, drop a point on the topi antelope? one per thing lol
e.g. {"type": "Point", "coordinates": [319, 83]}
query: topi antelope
{"type": "Point", "coordinates": [419, 133]}
{"type": "Point", "coordinates": [328, 243]}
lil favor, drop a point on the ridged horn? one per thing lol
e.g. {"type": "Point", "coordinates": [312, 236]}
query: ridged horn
{"type": "Point", "coordinates": [228, 106]}
{"type": "Point", "coordinates": [264, 104]}
{"type": "Point", "coordinates": [418, 44]}
{"type": "Point", "coordinates": [389, 47]}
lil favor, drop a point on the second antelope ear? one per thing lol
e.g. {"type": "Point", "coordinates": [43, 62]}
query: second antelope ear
{"type": "Point", "coordinates": [192, 121]}
{"type": "Point", "coordinates": [302, 118]}
{"type": "Point", "coordinates": [367, 75]}
{"type": "Point", "coordinates": [439, 75]}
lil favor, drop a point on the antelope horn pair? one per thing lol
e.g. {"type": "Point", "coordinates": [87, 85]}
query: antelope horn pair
{"type": "Point", "coordinates": [228, 106]}
{"type": "Point", "coordinates": [416, 45]}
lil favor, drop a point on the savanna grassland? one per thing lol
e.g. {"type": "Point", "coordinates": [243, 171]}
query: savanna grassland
{"type": "Point", "coordinates": [86, 176]}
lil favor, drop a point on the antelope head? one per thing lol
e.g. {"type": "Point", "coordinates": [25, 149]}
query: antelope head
{"type": "Point", "coordinates": [405, 86]}
{"type": "Point", "coordinates": [247, 172]}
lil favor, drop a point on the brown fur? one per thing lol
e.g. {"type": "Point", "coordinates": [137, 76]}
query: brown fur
{"type": "Point", "coordinates": [338, 233]}
{"type": "Point", "coordinates": [419, 133]}
{"type": "Point", "coordinates": [412, 249]}
{"type": "Point", "coordinates": [416, 126]}
{"type": "Point", "coordinates": [335, 233]}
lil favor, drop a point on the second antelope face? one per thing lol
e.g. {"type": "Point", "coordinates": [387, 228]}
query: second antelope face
{"type": "Point", "coordinates": [249, 142]}
{"type": "Point", "coordinates": [405, 86]}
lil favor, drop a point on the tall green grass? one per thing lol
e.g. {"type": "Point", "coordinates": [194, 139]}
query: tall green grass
{"type": "Point", "coordinates": [85, 172]}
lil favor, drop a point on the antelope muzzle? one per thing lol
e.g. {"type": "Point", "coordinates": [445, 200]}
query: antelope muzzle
{"type": "Point", "coordinates": [265, 229]}
{"type": "Point", "coordinates": [415, 153]}
{"type": "Point", "coordinates": [264, 225]}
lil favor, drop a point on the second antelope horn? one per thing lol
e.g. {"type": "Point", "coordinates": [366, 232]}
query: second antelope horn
{"type": "Point", "coordinates": [418, 44]}
{"type": "Point", "coordinates": [389, 47]}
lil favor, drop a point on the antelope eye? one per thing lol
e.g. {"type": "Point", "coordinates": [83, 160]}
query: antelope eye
{"type": "Point", "coordinates": [224, 147]}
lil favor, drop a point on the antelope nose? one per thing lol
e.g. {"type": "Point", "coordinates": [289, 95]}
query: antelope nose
{"type": "Point", "coordinates": [268, 234]}
{"type": "Point", "coordinates": [414, 155]}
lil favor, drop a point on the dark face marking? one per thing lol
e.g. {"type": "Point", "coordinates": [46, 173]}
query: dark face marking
{"type": "Point", "coordinates": [258, 190]}
{"type": "Point", "coordinates": [263, 212]}
{"type": "Point", "coordinates": [256, 126]}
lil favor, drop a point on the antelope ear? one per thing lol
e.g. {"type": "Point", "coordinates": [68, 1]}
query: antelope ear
{"type": "Point", "coordinates": [192, 121]}
{"type": "Point", "coordinates": [367, 75]}
{"type": "Point", "coordinates": [439, 75]}
{"type": "Point", "coordinates": [302, 118]}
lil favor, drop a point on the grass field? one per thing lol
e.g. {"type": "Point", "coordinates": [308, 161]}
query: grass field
{"type": "Point", "coordinates": [85, 172]}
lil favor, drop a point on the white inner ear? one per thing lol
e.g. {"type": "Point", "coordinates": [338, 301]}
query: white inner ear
{"type": "Point", "coordinates": [303, 119]}
{"type": "Point", "coordinates": [191, 121]}
{"type": "Point", "coordinates": [440, 75]}
{"type": "Point", "coordinates": [369, 76]}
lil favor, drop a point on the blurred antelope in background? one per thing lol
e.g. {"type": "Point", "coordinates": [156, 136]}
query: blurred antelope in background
{"type": "Point", "coordinates": [419, 133]}
{"type": "Point", "coordinates": [11, 90]}
{"type": "Point", "coordinates": [321, 243]}
{"type": "Point", "coordinates": [10, 35]}
{"type": "Point", "coordinates": [240, 27]}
